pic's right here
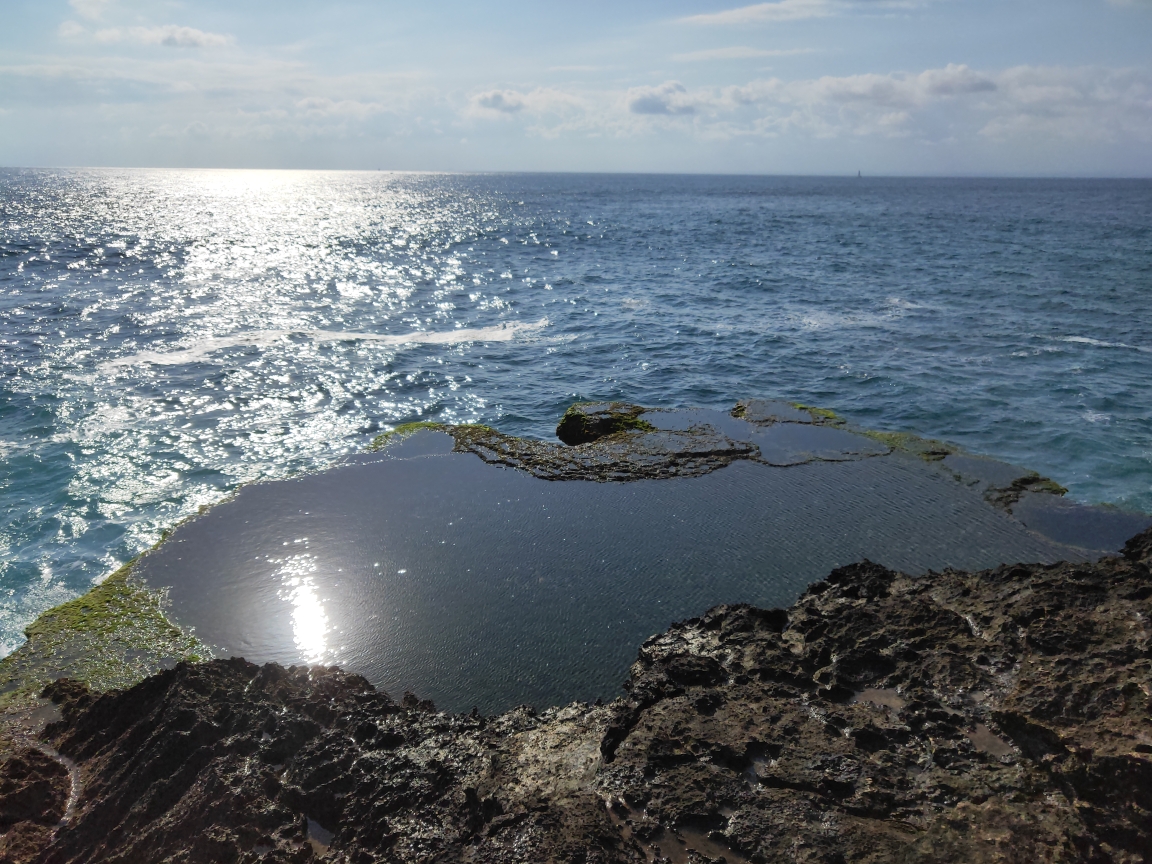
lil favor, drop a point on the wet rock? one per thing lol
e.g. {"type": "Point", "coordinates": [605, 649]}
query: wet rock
{"type": "Point", "coordinates": [607, 444]}
{"type": "Point", "coordinates": [1001, 715]}
{"type": "Point", "coordinates": [768, 411]}
{"type": "Point", "coordinates": [586, 422]}
{"type": "Point", "coordinates": [34, 790]}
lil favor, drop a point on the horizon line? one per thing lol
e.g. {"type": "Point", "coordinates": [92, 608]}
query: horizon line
{"type": "Point", "coordinates": [585, 172]}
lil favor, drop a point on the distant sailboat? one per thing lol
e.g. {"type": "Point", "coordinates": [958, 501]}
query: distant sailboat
{"type": "Point", "coordinates": [859, 174]}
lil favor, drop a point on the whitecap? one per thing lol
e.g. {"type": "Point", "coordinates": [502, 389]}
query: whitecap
{"type": "Point", "coordinates": [901, 303]}
{"type": "Point", "coordinates": [1097, 343]}
{"type": "Point", "coordinates": [202, 350]}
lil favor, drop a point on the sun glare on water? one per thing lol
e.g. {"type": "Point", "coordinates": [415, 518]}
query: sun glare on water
{"type": "Point", "coordinates": [310, 625]}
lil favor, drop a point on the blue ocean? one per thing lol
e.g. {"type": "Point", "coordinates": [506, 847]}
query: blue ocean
{"type": "Point", "coordinates": [167, 336]}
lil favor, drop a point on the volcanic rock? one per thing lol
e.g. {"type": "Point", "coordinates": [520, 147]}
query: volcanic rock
{"type": "Point", "coordinates": [34, 789]}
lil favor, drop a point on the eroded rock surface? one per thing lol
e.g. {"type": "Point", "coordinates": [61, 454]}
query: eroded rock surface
{"type": "Point", "coordinates": [602, 447]}
{"type": "Point", "coordinates": [586, 422]}
{"type": "Point", "coordinates": [34, 791]}
{"type": "Point", "coordinates": [993, 716]}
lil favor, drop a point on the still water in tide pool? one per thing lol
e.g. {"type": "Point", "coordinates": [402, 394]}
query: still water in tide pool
{"type": "Point", "coordinates": [166, 336]}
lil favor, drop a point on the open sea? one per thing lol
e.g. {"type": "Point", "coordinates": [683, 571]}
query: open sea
{"type": "Point", "coordinates": [166, 336]}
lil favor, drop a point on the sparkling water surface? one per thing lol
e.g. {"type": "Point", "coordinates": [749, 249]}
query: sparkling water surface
{"type": "Point", "coordinates": [472, 584]}
{"type": "Point", "coordinates": [166, 336]}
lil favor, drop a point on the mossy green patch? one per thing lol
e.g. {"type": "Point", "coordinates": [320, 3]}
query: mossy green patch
{"type": "Point", "coordinates": [820, 415]}
{"type": "Point", "coordinates": [636, 423]}
{"type": "Point", "coordinates": [403, 431]}
{"type": "Point", "coordinates": [928, 449]}
{"type": "Point", "coordinates": [585, 422]}
{"type": "Point", "coordinates": [1050, 486]}
{"type": "Point", "coordinates": [463, 433]}
{"type": "Point", "coordinates": [114, 636]}
{"type": "Point", "coordinates": [1007, 496]}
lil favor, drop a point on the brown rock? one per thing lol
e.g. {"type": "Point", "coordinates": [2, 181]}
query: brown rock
{"type": "Point", "coordinates": [34, 789]}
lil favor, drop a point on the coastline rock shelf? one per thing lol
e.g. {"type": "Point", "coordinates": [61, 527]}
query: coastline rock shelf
{"type": "Point", "coordinates": [955, 717]}
{"type": "Point", "coordinates": [481, 569]}
{"type": "Point", "coordinates": [530, 574]}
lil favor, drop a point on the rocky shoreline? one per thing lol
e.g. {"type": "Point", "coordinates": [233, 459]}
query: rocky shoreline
{"type": "Point", "coordinates": [1002, 715]}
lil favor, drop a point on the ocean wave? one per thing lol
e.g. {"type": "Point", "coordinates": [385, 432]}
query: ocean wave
{"type": "Point", "coordinates": [202, 350]}
{"type": "Point", "coordinates": [1097, 343]}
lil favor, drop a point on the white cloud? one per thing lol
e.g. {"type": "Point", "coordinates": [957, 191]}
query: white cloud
{"type": "Point", "coordinates": [169, 35]}
{"type": "Point", "coordinates": [941, 104]}
{"type": "Point", "coordinates": [781, 10]}
{"type": "Point", "coordinates": [1086, 103]}
{"type": "Point", "coordinates": [795, 10]}
{"type": "Point", "coordinates": [736, 52]}
{"type": "Point", "coordinates": [501, 101]}
{"type": "Point", "coordinates": [670, 98]}
{"type": "Point", "coordinates": [884, 91]}
{"type": "Point", "coordinates": [190, 95]}
{"type": "Point", "coordinates": [70, 30]}
{"type": "Point", "coordinates": [322, 106]}
{"type": "Point", "coordinates": [542, 101]}
{"type": "Point", "coordinates": [93, 10]}
{"type": "Point", "coordinates": [264, 99]}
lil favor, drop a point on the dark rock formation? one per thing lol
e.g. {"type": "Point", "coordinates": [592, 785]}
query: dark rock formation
{"type": "Point", "coordinates": [586, 422]}
{"type": "Point", "coordinates": [606, 442]}
{"type": "Point", "coordinates": [966, 717]}
{"type": "Point", "coordinates": [34, 790]}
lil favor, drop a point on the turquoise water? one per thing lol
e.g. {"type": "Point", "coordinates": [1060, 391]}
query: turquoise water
{"type": "Point", "coordinates": [166, 336]}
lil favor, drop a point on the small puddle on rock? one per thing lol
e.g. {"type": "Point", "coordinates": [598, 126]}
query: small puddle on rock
{"type": "Point", "coordinates": [987, 741]}
{"type": "Point", "coordinates": [674, 846]}
{"type": "Point", "coordinates": [880, 697]}
{"type": "Point", "coordinates": [319, 838]}
{"type": "Point", "coordinates": [75, 786]}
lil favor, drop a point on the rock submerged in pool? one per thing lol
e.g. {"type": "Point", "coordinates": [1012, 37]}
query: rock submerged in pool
{"type": "Point", "coordinates": [586, 422]}
{"type": "Point", "coordinates": [956, 717]}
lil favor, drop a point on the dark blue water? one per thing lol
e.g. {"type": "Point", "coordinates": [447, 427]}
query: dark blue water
{"type": "Point", "coordinates": [166, 336]}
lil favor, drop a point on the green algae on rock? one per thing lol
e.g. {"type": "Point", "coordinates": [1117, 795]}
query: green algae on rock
{"type": "Point", "coordinates": [821, 415]}
{"type": "Point", "coordinates": [928, 449]}
{"type": "Point", "coordinates": [638, 453]}
{"type": "Point", "coordinates": [585, 422]}
{"type": "Point", "coordinates": [618, 445]}
{"type": "Point", "coordinates": [403, 431]}
{"type": "Point", "coordinates": [111, 637]}
{"type": "Point", "coordinates": [1031, 482]}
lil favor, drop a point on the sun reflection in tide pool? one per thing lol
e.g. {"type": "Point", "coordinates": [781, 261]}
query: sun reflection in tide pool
{"type": "Point", "coordinates": [309, 620]}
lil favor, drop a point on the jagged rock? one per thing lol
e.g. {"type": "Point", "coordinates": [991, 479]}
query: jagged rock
{"type": "Point", "coordinates": [955, 717]}
{"type": "Point", "coordinates": [34, 789]}
{"type": "Point", "coordinates": [606, 442]}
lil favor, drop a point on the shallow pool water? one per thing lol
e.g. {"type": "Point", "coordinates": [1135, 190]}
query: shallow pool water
{"type": "Point", "coordinates": [478, 585]}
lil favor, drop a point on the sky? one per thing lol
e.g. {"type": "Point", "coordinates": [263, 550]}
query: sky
{"type": "Point", "coordinates": [893, 87]}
